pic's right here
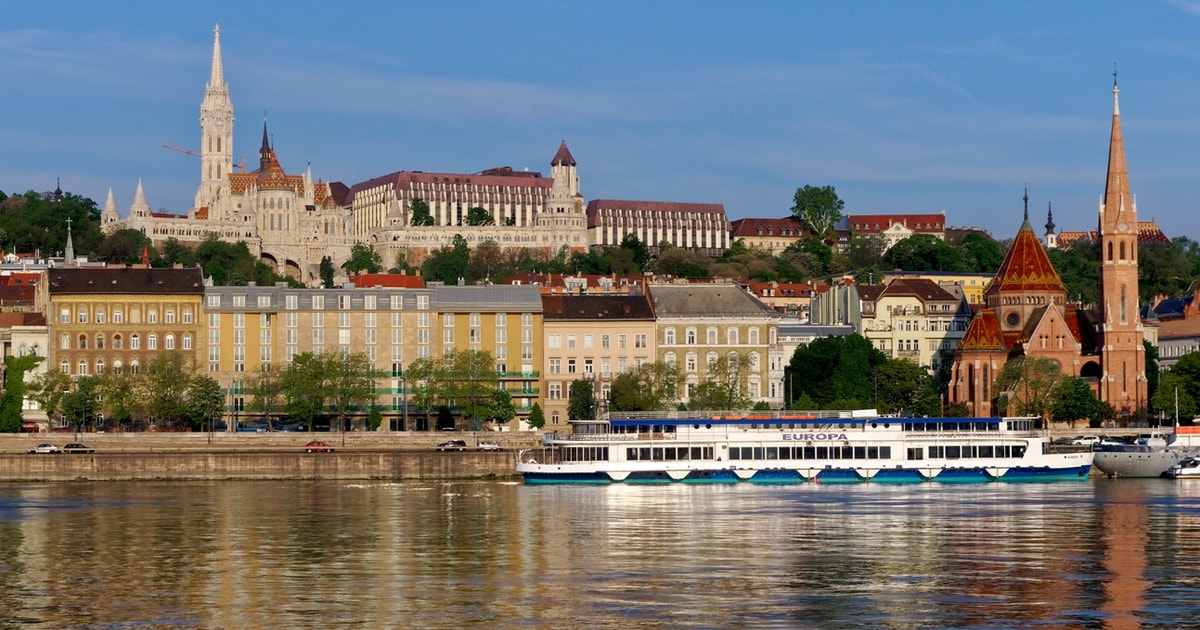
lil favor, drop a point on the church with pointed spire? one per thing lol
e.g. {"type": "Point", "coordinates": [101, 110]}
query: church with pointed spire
{"type": "Point", "coordinates": [287, 220]}
{"type": "Point", "coordinates": [1026, 312]}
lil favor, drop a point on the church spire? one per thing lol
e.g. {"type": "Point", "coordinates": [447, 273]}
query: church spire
{"type": "Point", "coordinates": [264, 152]}
{"type": "Point", "coordinates": [218, 75]}
{"type": "Point", "coordinates": [1118, 201]}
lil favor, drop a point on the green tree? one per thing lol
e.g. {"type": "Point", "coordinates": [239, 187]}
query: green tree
{"type": "Point", "coordinates": [204, 401]}
{"type": "Point", "coordinates": [581, 400]}
{"type": "Point", "coordinates": [419, 214]}
{"type": "Point", "coordinates": [1074, 400]}
{"type": "Point", "coordinates": [923, 252]}
{"type": "Point", "coordinates": [641, 253]}
{"type": "Point", "coordinates": [13, 398]}
{"type": "Point", "coordinates": [683, 263]}
{"type": "Point", "coordinates": [980, 254]}
{"type": "Point", "coordinates": [305, 387]}
{"type": "Point", "coordinates": [363, 258]}
{"type": "Point", "coordinates": [1079, 270]}
{"type": "Point", "coordinates": [724, 386]}
{"type": "Point", "coordinates": [166, 376]}
{"type": "Point", "coordinates": [80, 405]}
{"type": "Point", "coordinates": [833, 368]}
{"type": "Point", "coordinates": [325, 270]}
{"type": "Point", "coordinates": [265, 388]}
{"type": "Point", "coordinates": [1025, 386]}
{"type": "Point", "coordinates": [351, 382]}
{"type": "Point", "coordinates": [374, 418]}
{"type": "Point", "coordinates": [904, 387]}
{"type": "Point", "coordinates": [818, 207]}
{"type": "Point", "coordinates": [48, 389]}
{"type": "Point", "coordinates": [500, 408]}
{"type": "Point", "coordinates": [463, 378]}
{"type": "Point", "coordinates": [479, 216]}
{"type": "Point", "coordinates": [647, 387]}
{"type": "Point", "coordinates": [124, 247]}
{"type": "Point", "coordinates": [537, 417]}
{"type": "Point", "coordinates": [176, 253]}
{"type": "Point", "coordinates": [1174, 393]}
{"type": "Point", "coordinates": [450, 263]}
{"type": "Point", "coordinates": [123, 396]}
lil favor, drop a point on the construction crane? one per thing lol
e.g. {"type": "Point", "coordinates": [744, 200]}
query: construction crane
{"type": "Point", "coordinates": [241, 165]}
{"type": "Point", "coordinates": [175, 148]}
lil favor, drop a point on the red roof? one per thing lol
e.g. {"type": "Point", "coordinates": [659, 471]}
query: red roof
{"type": "Point", "coordinates": [789, 226]}
{"type": "Point", "coordinates": [390, 280]}
{"type": "Point", "coordinates": [563, 157]}
{"type": "Point", "coordinates": [919, 223]}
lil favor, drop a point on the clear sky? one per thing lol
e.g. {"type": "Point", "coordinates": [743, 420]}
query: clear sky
{"type": "Point", "coordinates": [915, 107]}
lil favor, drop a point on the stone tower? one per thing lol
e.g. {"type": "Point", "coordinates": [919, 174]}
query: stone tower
{"type": "Point", "coordinates": [564, 196]}
{"type": "Point", "coordinates": [1123, 384]}
{"type": "Point", "coordinates": [216, 132]}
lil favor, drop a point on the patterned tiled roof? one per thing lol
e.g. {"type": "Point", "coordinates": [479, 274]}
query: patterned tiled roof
{"type": "Point", "coordinates": [1026, 267]}
{"type": "Point", "coordinates": [984, 334]}
{"type": "Point", "coordinates": [1148, 232]}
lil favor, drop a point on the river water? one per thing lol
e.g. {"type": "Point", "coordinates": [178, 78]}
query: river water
{"type": "Point", "coordinates": [1098, 554]}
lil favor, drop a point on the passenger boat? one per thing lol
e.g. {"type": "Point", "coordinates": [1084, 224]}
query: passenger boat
{"type": "Point", "coordinates": [1150, 454]}
{"type": "Point", "coordinates": [795, 447]}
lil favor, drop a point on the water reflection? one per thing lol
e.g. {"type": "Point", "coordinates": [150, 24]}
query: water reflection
{"type": "Point", "coordinates": [1115, 554]}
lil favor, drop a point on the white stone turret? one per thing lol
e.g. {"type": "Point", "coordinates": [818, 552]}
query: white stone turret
{"type": "Point", "coordinates": [139, 208]}
{"type": "Point", "coordinates": [109, 214]}
{"type": "Point", "coordinates": [216, 131]}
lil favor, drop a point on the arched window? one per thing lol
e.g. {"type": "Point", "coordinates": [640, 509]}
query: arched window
{"type": "Point", "coordinates": [169, 342]}
{"type": "Point", "coordinates": [752, 337]}
{"type": "Point", "coordinates": [117, 366]}
{"type": "Point", "coordinates": [187, 341]}
{"type": "Point", "coordinates": [1110, 250]}
{"type": "Point", "coordinates": [690, 337]}
{"type": "Point", "coordinates": [83, 342]}
{"type": "Point", "coordinates": [64, 367]}
{"type": "Point", "coordinates": [133, 367]}
{"type": "Point", "coordinates": [711, 336]}
{"type": "Point", "coordinates": [100, 341]}
{"type": "Point", "coordinates": [99, 366]}
{"type": "Point", "coordinates": [117, 344]}
{"type": "Point", "coordinates": [64, 341]}
{"type": "Point", "coordinates": [669, 359]}
{"type": "Point", "coordinates": [731, 336]}
{"type": "Point", "coordinates": [82, 367]}
{"type": "Point", "coordinates": [152, 342]}
{"type": "Point", "coordinates": [669, 336]}
{"type": "Point", "coordinates": [135, 342]}
{"type": "Point", "coordinates": [690, 362]}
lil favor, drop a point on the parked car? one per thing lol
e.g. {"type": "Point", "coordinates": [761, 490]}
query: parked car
{"type": "Point", "coordinates": [44, 449]}
{"type": "Point", "coordinates": [1088, 440]}
{"type": "Point", "coordinates": [486, 445]}
{"type": "Point", "coordinates": [318, 447]}
{"type": "Point", "coordinates": [75, 447]}
{"type": "Point", "coordinates": [452, 445]}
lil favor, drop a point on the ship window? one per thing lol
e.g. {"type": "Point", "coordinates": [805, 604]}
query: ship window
{"type": "Point", "coordinates": [915, 453]}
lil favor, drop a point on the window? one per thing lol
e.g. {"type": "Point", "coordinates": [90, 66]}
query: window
{"type": "Point", "coordinates": [369, 302]}
{"type": "Point", "coordinates": [64, 341]}
{"type": "Point", "coordinates": [501, 335]}
{"type": "Point", "coordinates": [475, 319]}
{"type": "Point", "coordinates": [669, 336]}
{"type": "Point", "coordinates": [318, 336]}
{"type": "Point", "coordinates": [570, 366]}
{"type": "Point", "coordinates": [554, 341]}
{"type": "Point", "coordinates": [343, 320]}
{"type": "Point", "coordinates": [344, 302]}
{"type": "Point", "coordinates": [264, 320]}
{"type": "Point", "coordinates": [239, 320]}
{"type": "Point", "coordinates": [83, 342]}
{"type": "Point", "coordinates": [64, 316]}
{"type": "Point", "coordinates": [555, 366]}
{"type": "Point", "coordinates": [731, 336]}
{"type": "Point", "coordinates": [397, 302]}
{"type": "Point", "coordinates": [100, 341]}
{"type": "Point", "coordinates": [621, 342]}
{"type": "Point", "coordinates": [501, 319]}
{"type": "Point", "coordinates": [187, 315]}
{"type": "Point", "coordinates": [117, 342]}
{"type": "Point", "coordinates": [239, 301]}
{"type": "Point", "coordinates": [555, 391]}
{"type": "Point", "coordinates": [170, 316]}
{"type": "Point", "coordinates": [690, 337]}
{"type": "Point", "coordinates": [448, 320]}
{"type": "Point", "coordinates": [318, 302]}
{"type": "Point", "coordinates": [187, 341]}
{"type": "Point", "coordinates": [690, 362]}
{"type": "Point", "coordinates": [82, 366]}
{"type": "Point", "coordinates": [318, 320]}
{"type": "Point", "coordinates": [214, 301]}
{"type": "Point", "coordinates": [526, 319]}
{"type": "Point", "coordinates": [169, 342]}
{"type": "Point", "coordinates": [118, 316]}
{"type": "Point", "coordinates": [99, 316]}
{"type": "Point", "coordinates": [422, 302]}
{"type": "Point", "coordinates": [83, 315]}
{"type": "Point", "coordinates": [152, 342]}
{"type": "Point", "coordinates": [291, 320]}
{"type": "Point", "coordinates": [604, 341]}
{"type": "Point", "coordinates": [291, 301]}
{"type": "Point", "coordinates": [711, 335]}
{"type": "Point", "coordinates": [587, 342]}
{"type": "Point", "coordinates": [639, 341]}
{"type": "Point", "coordinates": [135, 342]}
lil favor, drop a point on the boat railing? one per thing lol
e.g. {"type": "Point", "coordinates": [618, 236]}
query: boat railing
{"type": "Point", "coordinates": [766, 416]}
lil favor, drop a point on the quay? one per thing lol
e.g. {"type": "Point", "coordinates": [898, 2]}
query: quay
{"type": "Point", "coordinates": [259, 456]}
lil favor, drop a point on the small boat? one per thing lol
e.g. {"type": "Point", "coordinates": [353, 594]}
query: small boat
{"type": "Point", "coordinates": [789, 447]}
{"type": "Point", "coordinates": [1187, 468]}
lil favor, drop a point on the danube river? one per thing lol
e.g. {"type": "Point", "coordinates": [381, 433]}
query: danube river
{"type": "Point", "coordinates": [1096, 554]}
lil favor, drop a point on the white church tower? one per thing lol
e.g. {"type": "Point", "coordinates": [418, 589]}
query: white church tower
{"type": "Point", "coordinates": [216, 133]}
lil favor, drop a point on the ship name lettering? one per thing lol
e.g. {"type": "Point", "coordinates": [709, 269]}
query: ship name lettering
{"type": "Point", "coordinates": [809, 437]}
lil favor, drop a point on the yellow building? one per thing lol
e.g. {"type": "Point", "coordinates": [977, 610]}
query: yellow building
{"type": "Point", "coordinates": [251, 327]}
{"type": "Point", "coordinates": [973, 284]}
{"type": "Point", "coordinates": [592, 337]}
{"type": "Point", "coordinates": [121, 317]}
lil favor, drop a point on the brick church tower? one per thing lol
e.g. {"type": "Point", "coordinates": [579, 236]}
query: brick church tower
{"type": "Point", "coordinates": [1123, 357]}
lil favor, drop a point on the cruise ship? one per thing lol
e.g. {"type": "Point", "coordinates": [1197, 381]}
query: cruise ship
{"type": "Point", "coordinates": [796, 447]}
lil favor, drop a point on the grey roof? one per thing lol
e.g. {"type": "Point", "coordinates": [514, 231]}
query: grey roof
{"type": "Point", "coordinates": [815, 330]}
{"type": "Point", "coordinates": [499, 297]}
{"type": "Point", "coordinates": [706, 300]}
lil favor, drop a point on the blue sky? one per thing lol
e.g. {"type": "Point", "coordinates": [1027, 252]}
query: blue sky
{"type": "Point", "coordinates": [902, 106]}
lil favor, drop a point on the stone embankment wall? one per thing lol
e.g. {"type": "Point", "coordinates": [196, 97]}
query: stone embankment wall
{"type": "Point", "coordinates": [193, 456]}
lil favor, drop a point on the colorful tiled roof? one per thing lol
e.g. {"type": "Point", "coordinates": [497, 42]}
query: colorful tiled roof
{"type": "Point", "coordinates": [1148, 232]}
{"type": "Point", "coordinates": [1026, 267]}
{"type": "Point", "coordinates": [919, 223]}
